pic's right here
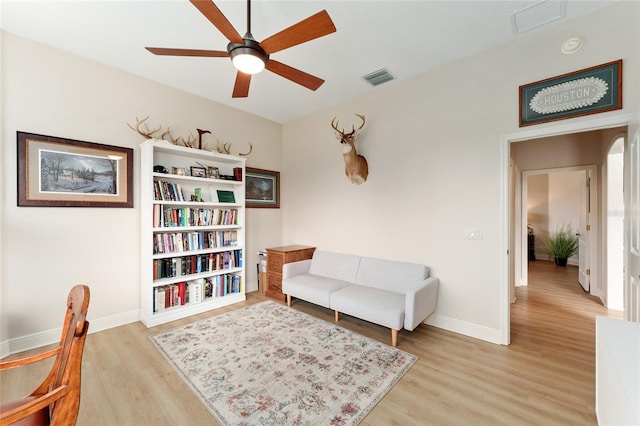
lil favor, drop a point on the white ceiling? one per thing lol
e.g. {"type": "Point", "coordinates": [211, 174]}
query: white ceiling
{"type": "Point", "coordinates": [406, 37]}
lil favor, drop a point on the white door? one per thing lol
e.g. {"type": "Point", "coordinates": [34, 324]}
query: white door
{"type": "Point", "coordinates": [632, 223]}
{"type": "Point", "coordinates": [583, 232]}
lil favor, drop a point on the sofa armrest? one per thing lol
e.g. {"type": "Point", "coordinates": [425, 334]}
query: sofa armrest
{"type": "Point", "coordinates": [420, 303]}
{"type": "Point", "coordinates": [296, 268]}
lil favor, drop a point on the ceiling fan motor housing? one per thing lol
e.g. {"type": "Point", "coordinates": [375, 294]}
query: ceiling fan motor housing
{"type": "Point", "coordinates": [249, 47]}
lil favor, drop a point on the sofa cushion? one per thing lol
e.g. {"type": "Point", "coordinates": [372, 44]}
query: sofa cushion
{"type": "Point", "coordinates": [312, 288]}
{"type": "Point", "coordinates": [342, 267]}
{"type": "Point", "coordinates": [390, 275]}
{"type": "Point", "coordinates": [370, 304]}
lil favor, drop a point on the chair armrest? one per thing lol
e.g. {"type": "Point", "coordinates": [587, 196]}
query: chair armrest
{"type": "Point", "coordinates": [296, 268]}
{"type": "Point", "coordinates": [30, 359]}
{"type": "Point", "coordinates": [420, 303]}
{"type": "Point", "coordinates": [33, 405]}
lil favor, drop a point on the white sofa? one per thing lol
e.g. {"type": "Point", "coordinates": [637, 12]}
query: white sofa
{"type": "Point", "coordinates": [389, 293]}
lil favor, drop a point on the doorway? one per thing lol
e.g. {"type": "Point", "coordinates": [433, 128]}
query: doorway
{"type": "Point", "coordinates": [561, 198]}
{"type": "Point", "coordinates": [511, 170]}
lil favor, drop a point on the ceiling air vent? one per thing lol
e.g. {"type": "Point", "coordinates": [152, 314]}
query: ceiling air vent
{"type": "Point", "coordinates": [378, 77]}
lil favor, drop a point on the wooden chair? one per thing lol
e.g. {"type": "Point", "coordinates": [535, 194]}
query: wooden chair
{"type": "Point", "coordinates": [57, 400]}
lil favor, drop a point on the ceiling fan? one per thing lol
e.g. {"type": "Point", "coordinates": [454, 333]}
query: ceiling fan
{"type": "Point", "coordinates": [250, 56]}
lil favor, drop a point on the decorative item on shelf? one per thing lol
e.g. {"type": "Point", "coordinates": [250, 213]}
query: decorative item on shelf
{"type": "Point", "coordinates": [178, 171]}
{"type": "Point", "coordinates": [226, 196]}
{"type": "Point", "coordinates": [213, 172]}
{"type": "Point", "coordinates": [197, 194]}
{"type": "Point", "coordinates": [562, 244]}
{"type": "Point", "coordinates": [225, 148]}
{"type": "Point", "coordinates": [200, 133]}
{"type": "Point", "coordinates": [237, 174]}
{"type": "Point", "coordinates": [355, 165]}
{"type": "Point", "coordinates": [188, 142]}
{"type": "Point", "coordinates": [198, 172]}
{"type": "Point", "coordinates": [159, 169]}
{"type": "Point", "coordinates": [146, 131]}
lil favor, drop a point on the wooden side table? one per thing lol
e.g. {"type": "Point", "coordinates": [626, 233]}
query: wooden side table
{"type": "Point", "coordinates": [276, 258]}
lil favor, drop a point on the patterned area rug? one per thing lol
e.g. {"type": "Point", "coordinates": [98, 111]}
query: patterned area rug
{"type": "Point", "coordinates": [268, 364]}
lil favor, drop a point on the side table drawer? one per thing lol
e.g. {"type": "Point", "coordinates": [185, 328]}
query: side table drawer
{"type": "Point", "coordinates": [274, 262]}
{"type": "Point", "coordinates": [274, 289]}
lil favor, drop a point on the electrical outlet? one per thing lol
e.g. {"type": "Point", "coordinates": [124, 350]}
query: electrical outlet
{"type": "Point", "coordinates": [472, 233]}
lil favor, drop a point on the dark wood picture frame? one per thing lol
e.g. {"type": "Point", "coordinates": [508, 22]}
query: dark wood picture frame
{"type": "Point", "coordinates": [587, 91]}
{"type": "Point", "coordinates": [198, 172]}
{"type": "Point", "coordinates": [262, 188]}
{"type": "Point", "coordinates": [59, 172]}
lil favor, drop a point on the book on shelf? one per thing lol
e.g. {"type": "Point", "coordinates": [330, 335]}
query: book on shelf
{"type": "Point", "coordinates": [167, 191]}
{"type": "Point", "coordinates": [166, 216]}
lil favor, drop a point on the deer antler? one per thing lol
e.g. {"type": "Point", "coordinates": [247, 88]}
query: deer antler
{"type": "Point", "coordinates": [225, 148]}
{"type": "Point", "coordinates": [168, 134]}
{"type": "Point", "coordinates": [250, 150]}
{"type": "Point", "coordinates": [343, 135]}
{"type": "Point", "coordinates": [147, 133]}
{"type": "Point", "coordinates": [191, 140]}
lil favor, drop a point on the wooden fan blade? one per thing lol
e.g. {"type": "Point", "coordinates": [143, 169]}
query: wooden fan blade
{"type": "Point", "coordinates": [308, 29]}
{"type": "Point", "coordinates": [241, 88]}
{"type": "Point", "coordinates": [187, 52]}
{"type": "Point", "coordinates": [302, 78]}
{"type": "Point", "coordinates": [215, 16]}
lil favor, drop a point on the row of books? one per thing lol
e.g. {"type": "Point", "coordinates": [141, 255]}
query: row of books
{"type": "Point", "coordinates": [176, 242]}
{"type": "Point", "coordinates": [195, 264]}
{"type": "Point", "coordinates": [167, 191]}
{"type": "Point", "coordinates": [188, 216]}
{"type": "Point", "coordinates": [195, 291]}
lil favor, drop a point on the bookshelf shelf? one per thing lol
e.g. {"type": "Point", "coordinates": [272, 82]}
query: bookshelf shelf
{"type": "Point", "coordinates": [192, 241]}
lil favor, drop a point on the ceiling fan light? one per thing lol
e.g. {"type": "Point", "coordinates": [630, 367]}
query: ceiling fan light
{"type": "Point", "coordinates": [247, 61]}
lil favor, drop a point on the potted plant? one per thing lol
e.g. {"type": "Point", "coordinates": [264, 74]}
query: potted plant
{"type": "Point", "coordinates": [562, 244]}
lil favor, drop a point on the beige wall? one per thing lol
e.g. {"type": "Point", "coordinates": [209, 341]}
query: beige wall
{"type": "Point", "coordinates": [47, 250]}
{"type": "Point", "coordinates": [433, 144]}
{"type": "Point", "coordinates": [434, 153]}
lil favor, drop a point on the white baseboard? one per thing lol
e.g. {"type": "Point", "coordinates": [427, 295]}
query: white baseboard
{"type": "Point", "coordinates": [476, 331]}
{"type": "Point", "coordinates": [36, 340]}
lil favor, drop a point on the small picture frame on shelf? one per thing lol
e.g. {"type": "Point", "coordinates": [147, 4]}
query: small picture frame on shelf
{"type": "Point", "coordinates": [178, 171]}
{"type": "Point", "coordinates": [213, 172]}
{"type": "Point", "coordinates": [198, 171]}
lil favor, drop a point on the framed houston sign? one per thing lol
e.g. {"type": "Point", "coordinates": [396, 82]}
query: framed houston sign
{"type": "Point", "coordinates": [588, 91]}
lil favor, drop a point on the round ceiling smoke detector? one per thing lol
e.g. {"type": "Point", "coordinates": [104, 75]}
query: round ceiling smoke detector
{"type": "Point", "coordinates": [571, 45]}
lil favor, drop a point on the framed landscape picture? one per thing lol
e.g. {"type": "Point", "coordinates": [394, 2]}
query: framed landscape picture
{"type": "Point", "coordinates": [262, 188]}
{"type": "Point", "coordinates": [57, 172]}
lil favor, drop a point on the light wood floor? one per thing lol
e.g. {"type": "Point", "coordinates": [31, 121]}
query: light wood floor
{"type": "Point", "coordinates": [545, 377]}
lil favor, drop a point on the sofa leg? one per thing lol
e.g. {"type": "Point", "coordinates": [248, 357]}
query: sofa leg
{"type": "Point", "coordinates": [289, 300]}
{"type": "Point", "coordinates": [337, 316]}
{"type": "Point", "coordinates": [394, 337]}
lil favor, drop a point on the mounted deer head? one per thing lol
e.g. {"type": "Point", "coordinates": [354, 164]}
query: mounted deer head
{"type": "Point", "coordinates": [355, 165]}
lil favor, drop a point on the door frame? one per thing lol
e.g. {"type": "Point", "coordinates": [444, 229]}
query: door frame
{"type": "Point", "coordinates": [592, 220]}
{"type": "Point", "coordinates": [506, 216]}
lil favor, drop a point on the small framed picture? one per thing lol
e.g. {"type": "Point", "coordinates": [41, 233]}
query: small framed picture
{"type": "Point", "coordinates": [262, 188]}
{"type": "Point", "coordinates": [178, 171]}
{"type": "Point", "coordinates": [198, 172]}
{"type": "Point", "coordinates": [213, 172]}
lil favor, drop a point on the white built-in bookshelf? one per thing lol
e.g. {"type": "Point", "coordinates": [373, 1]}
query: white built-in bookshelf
{"type": "Point", "coordinates": [192, 250]}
